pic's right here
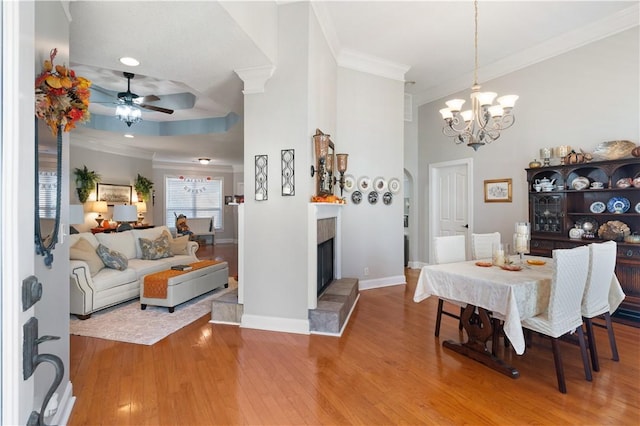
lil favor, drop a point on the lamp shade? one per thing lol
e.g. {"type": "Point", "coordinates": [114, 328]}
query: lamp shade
{"type": "Point", "coordinates": [100, 207]}
{"type": "Point", "coordinates": [76, 214]}
{"type": "Point", "coordinates": [125, 213]}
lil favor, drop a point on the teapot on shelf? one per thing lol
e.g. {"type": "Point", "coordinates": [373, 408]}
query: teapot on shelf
{"type": "Point", "coordinates": [545, 184]}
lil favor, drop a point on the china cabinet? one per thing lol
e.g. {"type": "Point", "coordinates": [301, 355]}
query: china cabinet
{"type": "Point", "coordinates": [569, 213]}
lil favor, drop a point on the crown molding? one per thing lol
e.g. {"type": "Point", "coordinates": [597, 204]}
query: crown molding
{"type": "Point", "coordinates": [621, 21]}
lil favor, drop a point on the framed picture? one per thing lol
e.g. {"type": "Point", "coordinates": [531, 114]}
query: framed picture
{"type": "Point", "coordinates": [114, 194]}
{"type": "Point", "coordinates": [497, 191]}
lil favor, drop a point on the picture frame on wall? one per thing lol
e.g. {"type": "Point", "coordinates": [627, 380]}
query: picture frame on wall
{"type": "Point", "coordinates": [498, 190]}
{"type": "Point", "coordinates": [114, 194]}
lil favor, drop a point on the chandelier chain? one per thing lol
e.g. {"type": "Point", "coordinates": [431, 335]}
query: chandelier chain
{"type": "Point", "coordinates": [475, 44]}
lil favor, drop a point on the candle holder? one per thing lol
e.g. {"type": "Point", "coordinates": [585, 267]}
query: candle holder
{"type": "Point", "coordinates": [500, 256]}
{"type": "Point", "coordinates": [521, 239]}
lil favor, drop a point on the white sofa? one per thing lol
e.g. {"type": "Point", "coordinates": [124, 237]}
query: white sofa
{"type": "Point", "coordinates": [108, 286]}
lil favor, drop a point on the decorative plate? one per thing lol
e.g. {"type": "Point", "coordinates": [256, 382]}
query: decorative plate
{"type": "Point", "coordinates": [597, 207]}
{"type": "Point", "coordinates": [618, 205]}
{"type": "Point", "coordinates": [356, 197]}
{"type": "Point", "coordinates": [387, 198]}
{"type": "Point", "coordinates": [613, 150]}
{"type": "Point", "coordinates": [580, 183]}
{"type": "Point", "coordinates": [364, 183]}
{"type": "Point", "coordinates": [484, 264]}
{"type": "Point", "coordinates": [638, 208]}
{"type": "Point", "coordinates": [379, 184]}
{"type": "Point", "coordinates": [588, 224]}
{"type": "Point", "coordinates": [394, 185]}
{"type": "Point", "coordinates": [349, 183]}
{"type": "Point", "coordinates": [511, 267]}
{"type": "Point", "coordinates": [373, 197]}
{"type": "Point", "coordinates": [536, 262]}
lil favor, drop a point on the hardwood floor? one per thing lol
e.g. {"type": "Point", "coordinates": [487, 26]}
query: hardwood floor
{"type": "Point", "coordinates": [387, 368]}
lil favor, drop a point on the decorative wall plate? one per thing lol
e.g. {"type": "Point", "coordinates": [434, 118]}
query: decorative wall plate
{"type": "Point", "coordinates": [373, 197]}
{"type": "Point", "coordinates": [638, 208]}
{"type": "Point", "coordinates": [618, 205]}
{"type": "Point", "coordinates": [356, 197]}
{"type": "Point", "coordinates": [387, 198]}
{"type": "Point", "coordinates": [379, 184]}
{"type": "Point", "coordinates": [597, 207]}
{"type": "Point", "coordinates": [364, 183]}
{"type": "Point", "coordinates": [394, 185]}
{"type": "Point", "coordinates": [349, 183]}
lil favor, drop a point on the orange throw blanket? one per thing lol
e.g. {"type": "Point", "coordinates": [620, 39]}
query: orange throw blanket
{"type": "Point", "coordinates": [155, 285]}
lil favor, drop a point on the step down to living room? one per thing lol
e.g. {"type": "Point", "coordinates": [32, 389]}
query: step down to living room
{"type": "Point", "coordinates": [330, 316]}
{"type": "Point", "coordinates": [334, 307]}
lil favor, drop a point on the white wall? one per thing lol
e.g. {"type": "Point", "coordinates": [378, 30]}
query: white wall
{"type": "Point", "coordinates": [581, 98]}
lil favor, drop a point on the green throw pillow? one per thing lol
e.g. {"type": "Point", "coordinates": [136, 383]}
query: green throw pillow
{"type": "Point", "coordinates": [111, 258]}
{"type": "Point", "coordinates": [156, 249]}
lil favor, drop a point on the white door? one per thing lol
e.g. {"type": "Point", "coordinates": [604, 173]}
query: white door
{"type": "Point", "coordinates": [450, 200]}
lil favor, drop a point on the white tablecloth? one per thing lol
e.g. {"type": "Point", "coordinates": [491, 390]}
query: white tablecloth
{"type": "Point", "coordinates": [511, 295]}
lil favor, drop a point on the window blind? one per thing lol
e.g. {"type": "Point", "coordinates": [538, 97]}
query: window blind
{"type": "Point", "coordinates": [194, 197]}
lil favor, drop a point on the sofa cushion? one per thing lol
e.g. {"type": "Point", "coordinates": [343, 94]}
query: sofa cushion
{"type": "Point", "coordinates": [149, 234]}
{"type": "Point", "coordinates": [83, 250]}
{"type": "Point", "coordinates": [112, 258]}
{"type": "Point", "coordinates": [179, 244]}
{"type": "Point", "coordinates": [122, 242]}
{"type": "Point", "coordinates": [155, 249]}
{"type": "Point", "coordinates": [73, 238]}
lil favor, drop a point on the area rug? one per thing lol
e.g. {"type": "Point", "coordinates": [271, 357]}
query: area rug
{"type": "Point", "coordinates": [126, 322]}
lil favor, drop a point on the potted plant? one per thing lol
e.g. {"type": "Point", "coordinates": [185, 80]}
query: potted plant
{"type": "Point", "coordinates": [86, 181]}
{"type": "Point", "coordinates": [143, 187]}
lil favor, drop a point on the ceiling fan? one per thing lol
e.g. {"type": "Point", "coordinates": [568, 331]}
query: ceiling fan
{"type": "Point", "coordinates": [129, 103]}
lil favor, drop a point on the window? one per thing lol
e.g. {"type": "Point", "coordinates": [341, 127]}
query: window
{"type": "Point", "coordinates": [193, 197]}
{"type": "Point", "coordinates": [48, 183]}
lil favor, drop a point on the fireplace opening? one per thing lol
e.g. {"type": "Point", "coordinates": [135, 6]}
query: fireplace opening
{"type": "Point", "coordinates": [325, 264]}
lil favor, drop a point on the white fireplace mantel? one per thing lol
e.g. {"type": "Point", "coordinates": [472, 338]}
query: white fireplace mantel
{"type": "Point", "coordinates": [322, 211]}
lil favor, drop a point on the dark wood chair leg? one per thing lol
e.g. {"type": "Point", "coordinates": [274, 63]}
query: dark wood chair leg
{"type": "Point", "coordinates": [557, 359]}
{"type": "Point", "coordinates": [585, 356]}
{"type": "Point", "coordinates": [439, 317]}
{"type": "Point", "coordinates": [593, 350]}
{"type": "Point", "coordinates": [495, 339]}
{"type": "Point", "coordinates": [612, 337]}
{"type": "Point", "coordinates": [460, 320]}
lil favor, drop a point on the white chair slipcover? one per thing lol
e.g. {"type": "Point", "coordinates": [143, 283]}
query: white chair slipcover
{"type": "Point", "coordinates": [482, 245]}
{"type": "Point", "coordinates": [448, 249]}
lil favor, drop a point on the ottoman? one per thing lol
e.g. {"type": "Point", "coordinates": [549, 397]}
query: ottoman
{"type": "Point", "coordinates": [186, 285]}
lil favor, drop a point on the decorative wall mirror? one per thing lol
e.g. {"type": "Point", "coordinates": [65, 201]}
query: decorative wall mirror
{"type": "Point", "coordinates": [325, 162]}
{"type": "Point", "coordinates": [48, 178]}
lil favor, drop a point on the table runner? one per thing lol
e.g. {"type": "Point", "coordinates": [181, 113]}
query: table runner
{"type": "Point", "coordinates": [156, 284]}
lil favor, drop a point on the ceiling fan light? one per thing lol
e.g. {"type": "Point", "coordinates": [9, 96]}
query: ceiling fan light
{"type": "Point", "coordinates": [130, 114]}
{"type": "Point", "coordinates": [204, 161]}
{"type": "Point", "coordinates": [129, 61]}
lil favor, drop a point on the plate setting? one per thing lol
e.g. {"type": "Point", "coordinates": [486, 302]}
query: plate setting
{"type": "Point", "coordinates": [597, 207]}
{"type": "Point", "coordinates": [356, 197]}
{"type": "Point", "coordinates": [364, 183]}
{"type": "Point", "coordinates": [618, 205]}
{"type": "Point", "coordinates": [349, 183]}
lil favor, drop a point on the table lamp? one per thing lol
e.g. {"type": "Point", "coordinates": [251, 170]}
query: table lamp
{"type": "Point", "coordinates": [76, 217]}
{"type": "Point", "coordinates": [124, 214]}
{"type": "Point", "coordinates": [100, 207]}
{"type": "Point", "coordinates": [141, 206]}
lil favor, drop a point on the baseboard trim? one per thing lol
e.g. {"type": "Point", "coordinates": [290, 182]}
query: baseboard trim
{"type": "Point", "coordinates": [382, 282]}
{"type": "Point", "coordinates": [65, 406]}
{"type": "Point", "coordinates": [286, 325]}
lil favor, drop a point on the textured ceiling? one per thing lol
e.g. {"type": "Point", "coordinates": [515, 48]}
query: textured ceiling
{"type": "Point", "coordinates": [194, 47]}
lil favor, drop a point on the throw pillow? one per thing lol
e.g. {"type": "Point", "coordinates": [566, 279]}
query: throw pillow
{"type": "Point", "coordinates": [83, 250]}
{"type": "Point", "coordinates": [179, 244]}
{"type": "Point", "coordinates": [156, 249]}
{"type": "Point", "coordinates": [112, 259]}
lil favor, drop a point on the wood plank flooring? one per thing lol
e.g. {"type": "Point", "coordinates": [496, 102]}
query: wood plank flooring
{"type": "Point", "coordinates": [387, 368]}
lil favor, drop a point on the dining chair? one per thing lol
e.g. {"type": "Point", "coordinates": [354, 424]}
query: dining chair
{"type": "Point", "coordinates": [482, 245]}
{"type": "Point", "coordinates": [563, 314]}
{"type": "Point", "coordinates": [448, 249]}
{"type": "Point", "coordinates": [595, 302]}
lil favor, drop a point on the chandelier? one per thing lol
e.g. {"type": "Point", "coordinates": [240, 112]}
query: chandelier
{"type": "Point", "coordinates": [129, 113]}
{"type": "Point", "coordinates": [482, 123]}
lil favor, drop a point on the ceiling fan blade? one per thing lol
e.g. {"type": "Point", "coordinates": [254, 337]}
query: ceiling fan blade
{"type": "Point", "coordinates": [155, 108]}
{"type": "Point", "coordinates": [145, 99]}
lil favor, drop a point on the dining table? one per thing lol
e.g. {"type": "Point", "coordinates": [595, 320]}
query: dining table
{"type": "Point", "coordinates": [493, 295]}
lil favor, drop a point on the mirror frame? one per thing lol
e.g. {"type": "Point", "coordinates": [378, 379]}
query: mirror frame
{"type": "Point", "coordinates": [45, 247]}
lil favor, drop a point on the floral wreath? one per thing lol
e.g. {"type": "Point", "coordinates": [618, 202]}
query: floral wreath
{"type": "Point", "coordinates": [62, 99]}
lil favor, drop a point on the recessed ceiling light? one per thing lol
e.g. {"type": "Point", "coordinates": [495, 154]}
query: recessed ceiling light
{"type": "Point", "coordinates": [132, 62]}
{"type": "Point", "coordinates": [128, 135]}
{"type": "Point", "coordinates": [204, 161]}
